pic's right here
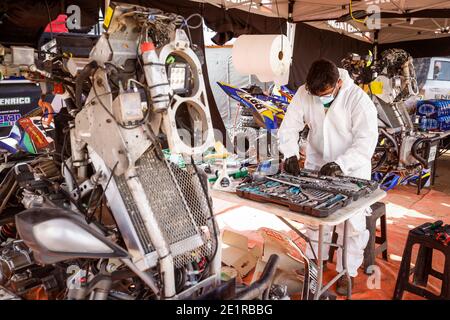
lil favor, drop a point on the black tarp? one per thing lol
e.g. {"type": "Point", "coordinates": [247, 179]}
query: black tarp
{"type": "Point", "coordinates": [311, 43]}
{"type": "Point", "coordinates": [422, 48]}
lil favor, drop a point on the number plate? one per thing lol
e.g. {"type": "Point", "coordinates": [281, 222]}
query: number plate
{"type": "Point", "coordinates": [432, 154]}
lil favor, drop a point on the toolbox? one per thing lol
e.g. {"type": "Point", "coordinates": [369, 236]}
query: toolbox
{"type": "Point", "coordinates": [308, 192]}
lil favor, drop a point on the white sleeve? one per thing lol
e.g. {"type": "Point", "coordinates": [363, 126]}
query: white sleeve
{"type": "Point", "coordinates": [293, 123]}
{"type": "Point", "coordinates": [364, 135]}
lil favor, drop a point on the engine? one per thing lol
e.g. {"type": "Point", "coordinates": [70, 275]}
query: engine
{"type": "Point", "coordinates": [25, 278]}
{"type": "Point", "coordinates": [391, 82]}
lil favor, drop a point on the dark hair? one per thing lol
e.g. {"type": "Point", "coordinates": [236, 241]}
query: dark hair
{"type": "Point", "coordinates": [321, 75]}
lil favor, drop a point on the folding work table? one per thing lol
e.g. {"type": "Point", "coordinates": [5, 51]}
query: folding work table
{"type": "Point", "coordinates": [340, 216]}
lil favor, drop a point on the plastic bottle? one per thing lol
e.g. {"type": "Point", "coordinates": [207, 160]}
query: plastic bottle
{"type": "Point", "coordinates": [423, 123]}
{"type": "Point", "coordinates": [156, 76]}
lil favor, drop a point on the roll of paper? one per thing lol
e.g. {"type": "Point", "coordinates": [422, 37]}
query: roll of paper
{"type": "Point", "coordinates": [266, 56]}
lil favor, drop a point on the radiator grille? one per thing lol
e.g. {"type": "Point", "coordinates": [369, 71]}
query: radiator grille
{"type": "Point", "coordinates": [197, 201]}
{"type": "Point", "coordinates": [180, 206]}
{"type": "Point", "coordinates": [134, 214]}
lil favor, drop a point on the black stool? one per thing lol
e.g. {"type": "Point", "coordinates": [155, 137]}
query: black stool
{"type": "Point", "coordinates": [372, 250]}
{"type": "Point", "coordinates": [423, 267]}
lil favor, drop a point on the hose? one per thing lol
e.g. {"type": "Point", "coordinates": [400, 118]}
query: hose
{"type": "Point", "coordinates": [262, 285]}
{"type": "Point", "coordinates": [81, 78]}
{"type": "Point", "coordinates": [391, 138]}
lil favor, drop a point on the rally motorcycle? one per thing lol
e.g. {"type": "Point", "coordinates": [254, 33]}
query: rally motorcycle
{"type": "Point", "coordinates": [98, 212]}
{"type": "Point", "coordinates": [402, 151]}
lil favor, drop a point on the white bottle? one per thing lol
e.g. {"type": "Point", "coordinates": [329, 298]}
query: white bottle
{"type": "Point", "coordinates": [156, 77]}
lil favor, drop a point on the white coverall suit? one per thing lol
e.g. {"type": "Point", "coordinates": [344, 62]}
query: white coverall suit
{"type": "Point", "coordinates": [346, 134]}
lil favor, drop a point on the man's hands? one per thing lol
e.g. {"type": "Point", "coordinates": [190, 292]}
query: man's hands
{"type": "Point", "coordinates": [331, 169]}
{"type": "Point", "coordinates": [291, 166]}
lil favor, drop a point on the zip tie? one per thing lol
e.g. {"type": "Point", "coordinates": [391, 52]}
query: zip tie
{"type": "Point", "coordinates": [159, 84]}
{"type": "Point", "coordinates": [155, 64]}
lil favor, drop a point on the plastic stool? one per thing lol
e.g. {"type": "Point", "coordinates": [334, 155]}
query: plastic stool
{"type": "Point", "coordinates": [423, 267]}
{"type": "Point", "coordinates": [372, 250]}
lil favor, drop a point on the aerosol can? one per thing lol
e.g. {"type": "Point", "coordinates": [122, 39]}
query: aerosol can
{"type": "Point", "coordinates": [156, 77]}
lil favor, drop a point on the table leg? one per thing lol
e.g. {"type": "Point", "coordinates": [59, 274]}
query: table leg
{"type": "Point", "coordinates": [319, 264]}
{"type": "Point", "coordinates": [300, 234]}
{"type": "Point", "coordinates": [344, 259]}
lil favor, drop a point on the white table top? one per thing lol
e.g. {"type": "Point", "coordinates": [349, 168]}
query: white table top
{"type": "Point", "coordinates": [334, 219]}
{"type": "Point", "coordinates": [442, 135]}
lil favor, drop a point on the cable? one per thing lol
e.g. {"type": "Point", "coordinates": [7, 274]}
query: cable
{"type": "Point", "coordinates": [49, 19]}
{"type": "Point", "coordinates": [100, 200]}
{"type": "Point", "coordinates": [192, 16]}
{"type": "Point", "coordinates": [281, 27]}
{"type": "Point", "coordinates": [247, 23]}
{"type": "Point", "coordinates": [63, 161]}
{"type": "Point", "coordinates": [140, 123]}
{"type": "Point", "coordinates": [205, 192]}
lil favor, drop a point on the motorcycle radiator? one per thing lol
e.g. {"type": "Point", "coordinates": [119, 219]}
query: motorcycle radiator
{"type": "Point", "coordinates": [180, 206]}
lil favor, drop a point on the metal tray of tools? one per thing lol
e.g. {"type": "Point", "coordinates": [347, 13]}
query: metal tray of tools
{"type": "Point", "coordinates": [350, 186]}
{"type": "Point", "coordinates": [307, 193]}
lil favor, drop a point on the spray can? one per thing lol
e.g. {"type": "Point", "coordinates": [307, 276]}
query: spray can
{"type": "Point", "coordinates": [156, 77]}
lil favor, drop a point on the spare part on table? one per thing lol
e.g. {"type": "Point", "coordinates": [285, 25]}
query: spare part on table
{"type": "Point", "coordinates": [258, 115]}
{"type": "Point", "coordinates": [308, 192]}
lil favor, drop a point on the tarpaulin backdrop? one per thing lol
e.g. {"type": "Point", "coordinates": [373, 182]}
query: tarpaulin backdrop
{"type": "Point", "coordinates": [311, 43]}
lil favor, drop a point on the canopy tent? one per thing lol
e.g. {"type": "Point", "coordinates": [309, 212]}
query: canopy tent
{"type": "Point", "coordinates": [333, 28]}
{"type": "Point", "coordinates": [401, 20]}
{"type": "Point", "coordinates": [325, 28]}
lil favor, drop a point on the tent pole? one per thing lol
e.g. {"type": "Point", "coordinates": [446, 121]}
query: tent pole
{"type": "Point", "coordinates": [375, 45]}
{"type": "Point", "coordinates": [291, 26]}
{"type": "Point", "coordinates": [291, 11]}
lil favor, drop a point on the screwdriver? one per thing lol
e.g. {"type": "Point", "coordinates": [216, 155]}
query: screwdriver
{"type": "Point", "coordinates": [431, 226]}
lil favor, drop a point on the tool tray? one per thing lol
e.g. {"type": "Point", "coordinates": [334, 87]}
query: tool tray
{"type": "Point", "coordinates": [307, 193]}
{"type": "Point", "coordinates": [350, 186]}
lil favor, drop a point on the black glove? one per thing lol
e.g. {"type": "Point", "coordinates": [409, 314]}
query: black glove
{"type": "Point", "coordinates": [291, 166]}
{"type": "Point", "coordinates": [331, 169]}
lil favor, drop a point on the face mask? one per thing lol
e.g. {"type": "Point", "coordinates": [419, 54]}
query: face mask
{"type": "Point", "coordinates": [326, 99]}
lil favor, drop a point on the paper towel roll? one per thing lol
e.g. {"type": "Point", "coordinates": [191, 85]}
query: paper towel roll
{"type": "Point", "coordinates": [266, 56]}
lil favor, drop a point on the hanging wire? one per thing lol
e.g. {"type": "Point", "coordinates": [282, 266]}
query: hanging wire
{"type": "Point", "coordinates": [49, 19]}
{"type": "Point", "coordinates": [247, 23]}
{"type": "Point", "coordinates": [281, 27]}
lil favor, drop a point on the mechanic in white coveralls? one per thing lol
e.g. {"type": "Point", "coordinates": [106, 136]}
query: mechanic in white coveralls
{"type": "Point", "coordinates": [343, 134]}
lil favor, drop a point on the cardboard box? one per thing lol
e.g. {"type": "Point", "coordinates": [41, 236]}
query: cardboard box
{"type": "Point", "coordinates": [236, 253]}
{"type": "Point", "coordinates": [290, 268]}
